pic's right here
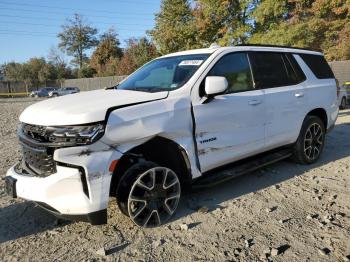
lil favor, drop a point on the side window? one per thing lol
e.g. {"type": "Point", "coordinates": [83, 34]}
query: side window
{"type": "Point", "coordinates": [300, 76]}
{"type": "Point", "coordinates": [272, 69]}
{"type": "Point", "coordinates": [235, 67]}
{"type": "Point", "coordinates": [318, 65]}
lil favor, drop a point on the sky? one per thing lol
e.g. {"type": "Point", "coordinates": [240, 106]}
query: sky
{"type": "Point", "coordinates": [29, 28]}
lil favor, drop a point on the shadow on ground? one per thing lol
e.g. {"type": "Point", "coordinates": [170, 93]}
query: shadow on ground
{"type": "Point", "coordinates": [25, 219]}
{"type": "Point", "coordinates": [337, 147]}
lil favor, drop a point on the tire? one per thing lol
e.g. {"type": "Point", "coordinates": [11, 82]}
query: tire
{"type": "Point", "coordinates": [343, 103]}
{"type": "Point", "coordinates": [148, 194]}
{"type": "Point", "coordinates": [310, 142]}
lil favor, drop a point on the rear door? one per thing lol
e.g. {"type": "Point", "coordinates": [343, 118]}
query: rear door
{"type": "Point", "coordinates": [282, 80]}
{"type": "Point", "coordinates": [231, 126]}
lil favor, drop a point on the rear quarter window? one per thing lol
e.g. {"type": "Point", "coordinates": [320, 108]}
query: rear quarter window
{"type": "Point", "coordinates": [318, 65]}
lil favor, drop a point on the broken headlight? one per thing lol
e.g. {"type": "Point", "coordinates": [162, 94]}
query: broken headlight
{"type": "Point", "coordinates": [75, 135]}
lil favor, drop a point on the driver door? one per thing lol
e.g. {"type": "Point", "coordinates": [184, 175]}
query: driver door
{"type": "Point", "coordinates": [230, 126]}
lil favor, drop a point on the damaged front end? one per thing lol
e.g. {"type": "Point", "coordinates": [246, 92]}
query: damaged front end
{"type": "Point", "coordinates": [59, 170]}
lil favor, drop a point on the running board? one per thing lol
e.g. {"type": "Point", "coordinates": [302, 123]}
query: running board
{"type": "Point", "coordinates": [240, 168]}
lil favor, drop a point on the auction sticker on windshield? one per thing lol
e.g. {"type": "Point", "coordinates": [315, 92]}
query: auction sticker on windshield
{"type": "Point", "coordinates": [191, 62]}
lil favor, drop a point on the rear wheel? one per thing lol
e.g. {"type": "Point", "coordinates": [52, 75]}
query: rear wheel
{"type": "Point", "coordinates": [149, 194]}
{"type": "Point", "coordinates": [310, 143]}
{"type": "Point", "coordinates": [343, 103]}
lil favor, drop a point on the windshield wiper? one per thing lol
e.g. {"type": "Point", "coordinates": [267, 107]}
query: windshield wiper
{"type": "Point", "coordinates": [111, 87]}
{"type": "Point", "coordinates": [148, 89]}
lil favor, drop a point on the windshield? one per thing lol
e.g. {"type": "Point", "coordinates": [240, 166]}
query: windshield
{"type": "Point", "coordinates": [164, 74]}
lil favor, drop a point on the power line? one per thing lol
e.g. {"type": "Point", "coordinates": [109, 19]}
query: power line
{"type": "Point", "coordinates": [58, 19]}
{"type": "Point", "coordinates": [25, 34]}
{"type": "Point", "coordinates": [46, 25]}
{"type": "Point", "coordinates": [66, 14]}
{"type": "Point", "coordinates": [65, 8]}
{"type": "Point", "coordinates": [29, 32]}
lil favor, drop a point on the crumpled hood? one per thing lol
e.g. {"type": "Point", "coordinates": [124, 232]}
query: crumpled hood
{"type": "Point", "coordinates": [84, 107]}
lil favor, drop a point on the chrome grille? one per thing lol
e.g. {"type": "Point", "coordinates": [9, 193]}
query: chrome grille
{"type": "Point", "coordinates": [37, 155]}
{"type": "Point", "coordinates": [38, 133]}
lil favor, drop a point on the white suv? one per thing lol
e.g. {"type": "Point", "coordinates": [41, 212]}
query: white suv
{"type": "Point", "coordinates": [170, 125]}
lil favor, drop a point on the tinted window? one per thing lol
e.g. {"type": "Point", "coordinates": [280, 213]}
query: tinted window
{"type": "Point", "coordinates": [318, 66]}
{"type": "Point", "coordinates": [272, 70]}
{"type": "Point", "coordinates": [235, 67]}
{"type": "Point", "coordinates": [300, 76]}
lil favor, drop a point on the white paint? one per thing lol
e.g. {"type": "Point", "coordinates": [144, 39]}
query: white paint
{"type": "Point", "coordinates": [215, 85]}
{"type": "Point", "coordinates": [228, 128]}
{"type": "Point", "coordinates": [82, 108]}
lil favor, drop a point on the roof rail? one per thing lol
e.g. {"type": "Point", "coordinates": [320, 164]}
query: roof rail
{"type": "Point", "coordinates": [282, 46]}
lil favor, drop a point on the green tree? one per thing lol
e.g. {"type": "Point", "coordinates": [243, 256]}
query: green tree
{"type": "Point", "coordinates": [76, 38]}
{"type": "Point", "coordinates": [175, 27]}
{"type": "Point", "coordinates": [226, 22]}
{"type": "Point", "coordinates": [13, 71]}
{"type": "Point", "coordinates": [137, 53]}
{"type": "Point", "coordinates": [315, 24]}
{"type": "Point", "coordinates": [107, 50]}
{"type": "Point", "coordinates": [86, 71]}
{"type": "Point", "coordinates": [19, 72]}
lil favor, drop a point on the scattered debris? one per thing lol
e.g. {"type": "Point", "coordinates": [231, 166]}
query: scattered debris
{"type": "Point", "coordinates": [249, 242]}
{"type": "Point", "coordinates": [332, 197]}
{"type": "Point", "coordinates": [108, 250]}
{"type": "Point", "coordinates": [324, 251]}
{"type": "Point", "coordinates": [282, 221]}
{"type": "Point", "coordinates": [277, 251]}
{"type": "Point", "coordinates": [339, 215]}
{"type": "Point", "coordinates": [184, 227]}
{"type": "Point", "coordinates": [274, 252]}
{"type": "Point", "coordinates": [328, 218]}
{"type": "Point", "coordinates": [237, 251]}
{"type": "Point", "coordinates": [318, 198]}
{"type": "Point", "coordinates": [269, 210]}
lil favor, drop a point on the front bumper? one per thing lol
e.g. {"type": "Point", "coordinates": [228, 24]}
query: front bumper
{"type": "Point", "coordinates": [68, 193]}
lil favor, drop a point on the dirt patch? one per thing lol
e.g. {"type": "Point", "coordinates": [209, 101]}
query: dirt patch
{"type": "Point", "coordinates": [285, 212]}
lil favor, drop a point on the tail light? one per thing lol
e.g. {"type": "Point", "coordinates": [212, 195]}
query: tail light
{"type": "Point", "coordinates": [338, 87]}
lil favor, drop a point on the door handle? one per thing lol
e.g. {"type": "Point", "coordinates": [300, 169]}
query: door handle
{"type": "Point", "coordinates": [254, 102]}
{"type": "Point", "coordinates": [299, 94]}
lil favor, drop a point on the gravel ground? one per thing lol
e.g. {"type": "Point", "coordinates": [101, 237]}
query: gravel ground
{"type": "Point", "coordinates": [285, 212]}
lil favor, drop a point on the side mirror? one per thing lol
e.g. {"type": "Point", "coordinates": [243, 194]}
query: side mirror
{"type": "Point", "coordinates": [215, 85]}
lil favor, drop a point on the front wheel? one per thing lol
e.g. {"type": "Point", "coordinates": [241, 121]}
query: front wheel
{"type": "Point", "coordinates": [310, 143]}
{"type": "Point", "coordinates": [149, 194]}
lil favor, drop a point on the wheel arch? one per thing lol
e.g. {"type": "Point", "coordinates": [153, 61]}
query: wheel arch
{"type": "Point", "coordinates": [320, 113]}
{"type": "Point", "coordinates": [163, 151]}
